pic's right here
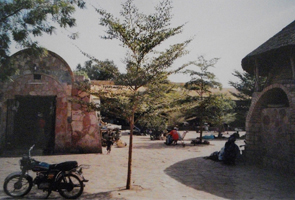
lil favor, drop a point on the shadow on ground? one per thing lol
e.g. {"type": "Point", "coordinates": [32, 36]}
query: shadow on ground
{"type": "Point", "coordinates": [234, 182]}
{"type": "Point", "coordinates": [160, 145]}
{"type": "Point", "coordinates": [55, 195]}
{"type": "Point", "coordinates": [100, 196]}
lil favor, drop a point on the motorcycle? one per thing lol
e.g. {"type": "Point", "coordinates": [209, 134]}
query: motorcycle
{"type": "Point", "coordinates": [66, 178]}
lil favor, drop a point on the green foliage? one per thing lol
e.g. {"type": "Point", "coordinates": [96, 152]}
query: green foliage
{"type": "Point", "coordinates": [153, 122]}
{"type": "Point", "coordinates": [176, 118]}
{"type": "Point", "coordinates": [166, 104]}
{"type": "Point", "coordinates": [151, 101]}
{"type": "Point", "coordinates": [81, 73]}
{"type": "Point", "coordinates": [20, 20]}
{"type": "Point", "coordinates": [99, 70]}
{"type": "Point", "coordinates": [220, 109]}
{"type": "Point", "coordinates": [202, 82]}
{"type": "Point", "coordinates": [147, 69]}
{"type": "Point", "coordinates": [245, 87]}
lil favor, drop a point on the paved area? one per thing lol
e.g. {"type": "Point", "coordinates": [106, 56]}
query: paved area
{"type": "Point", "coordinates": [168, 172]}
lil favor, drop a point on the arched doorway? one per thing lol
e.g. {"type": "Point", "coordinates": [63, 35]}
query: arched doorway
{"type": "Point", "coordinates": [37, 103]}
{"type": "Point", "coordinates": [34, 122]}
{"type": "Point", "coordinates": [269, 128]}
{"type": "Point", "coordinates": [41, 88]}
{"type": "Point", "coordinates": [275, 126]}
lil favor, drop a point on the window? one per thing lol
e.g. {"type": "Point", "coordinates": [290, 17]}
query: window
{"type": "Point", "coordinates": [37, 76]}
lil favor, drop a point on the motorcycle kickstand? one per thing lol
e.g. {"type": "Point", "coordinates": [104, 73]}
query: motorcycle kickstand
{"type": "Point", "coordinates": [48, 194]}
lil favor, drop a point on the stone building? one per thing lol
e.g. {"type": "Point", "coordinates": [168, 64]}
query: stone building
{"type": "Point", "coordinates": [270, 123]}
{"type": "Point", "coordinates": [36, 108]}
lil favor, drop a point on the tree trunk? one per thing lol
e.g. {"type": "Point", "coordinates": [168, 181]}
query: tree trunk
{"type": "Point", "coordinates": [201, 126]}
{"type": "Point", "coordinates": [201, 121]}
{"type": "Point", "coordinates": [219, 131]}
{"type": "Point", "coordinates": [128, 184]}
{"type": "Point", "coordinates": [201, 130]}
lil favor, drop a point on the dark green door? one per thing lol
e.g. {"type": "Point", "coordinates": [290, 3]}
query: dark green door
{"type": "Point", "coordinates": [34, 122]}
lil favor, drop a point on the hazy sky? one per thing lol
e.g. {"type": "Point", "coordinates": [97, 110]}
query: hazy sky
{"type": "Point", "coordinates": [225, 29]}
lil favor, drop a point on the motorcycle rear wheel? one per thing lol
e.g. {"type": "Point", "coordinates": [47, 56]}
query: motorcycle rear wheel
{"type": "Point", "coordinates": [17, 186]}
{"type": "Point", "coordinates": [70, 186]}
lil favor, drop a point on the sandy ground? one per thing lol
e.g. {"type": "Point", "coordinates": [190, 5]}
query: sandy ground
{"type": "Point", "coordinates": [168, 172]}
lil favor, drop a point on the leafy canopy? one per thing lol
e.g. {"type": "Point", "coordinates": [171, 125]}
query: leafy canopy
{"type": "Point", "coordinates": [99, 70]}
{"type": "Point", "coordinates": [245, 85]}
{"type": "Point", "coordinates": [202, 80]}
{"type": "Point", "coordinates": [220, 109]}
{"type": "Point", "coordinates": [147, 67]}
{"type": "Point", "coordinates": [20, 20]}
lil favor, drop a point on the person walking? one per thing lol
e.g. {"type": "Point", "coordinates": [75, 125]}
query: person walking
{"type": "Point", "coordinates": [109, 142]}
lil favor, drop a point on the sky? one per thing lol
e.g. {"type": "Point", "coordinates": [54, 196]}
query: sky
{"type": "Point", "coordinates": [224, 29]}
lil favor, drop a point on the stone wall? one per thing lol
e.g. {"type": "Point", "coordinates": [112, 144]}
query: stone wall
{"type": "Point", "coordinates": [85, 128]}
{"type": "Point", "coordinates": [276, 138]}
{"type": "Point", "coordinates": [270, 128]}
{"type": "Point", "coordinates": [75, 129]}
{"type": "Point", "coordinates": [26, 86]}
{"type": "Point", "coordinates": [54, 78]}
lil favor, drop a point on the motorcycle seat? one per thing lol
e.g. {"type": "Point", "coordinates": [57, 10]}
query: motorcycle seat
{"type": "Point", "coordinates": [65, 166]}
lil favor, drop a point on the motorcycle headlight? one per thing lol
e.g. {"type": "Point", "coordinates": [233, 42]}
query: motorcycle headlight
{"type": "Point", "coordinates": [25, 162]}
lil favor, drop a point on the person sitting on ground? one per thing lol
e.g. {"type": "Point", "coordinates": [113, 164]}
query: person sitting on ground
{"type": "Point", "coordinates": [169, 139]}
{"type": "Point", "coordinates": [172, 137]}
{"type": "Point", "coordinates": [175, 135]}
{"type": "Point", "coordinates": [231, 151]}
{"type": "Point", "coordinates": [227, 154]}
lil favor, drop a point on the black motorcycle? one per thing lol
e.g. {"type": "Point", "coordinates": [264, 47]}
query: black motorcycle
{"type": "Point", "coordinates": [65, 178]}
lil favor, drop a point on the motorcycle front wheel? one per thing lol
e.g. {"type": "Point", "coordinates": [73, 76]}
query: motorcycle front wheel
{"type": "Point", "coordinates": [17, 185]}
{"type": "Point", "coordinates": [70, 186]}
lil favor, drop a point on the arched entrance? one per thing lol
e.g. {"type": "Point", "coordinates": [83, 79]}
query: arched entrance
{"type": "Point", "coordinates": [36, 114]}
{"type": "Point", "coordinates": [34, 122]}
{"type": "Point", "coordinates": [35, 105]}
{"type": "Point", "coordinates": [269, 128]}
{"type": "Point", "coordinates": [36, 108]}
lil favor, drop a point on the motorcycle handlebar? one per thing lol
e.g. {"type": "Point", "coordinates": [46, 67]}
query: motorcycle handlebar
{"type": "Point", "coordinates": [31, 148]}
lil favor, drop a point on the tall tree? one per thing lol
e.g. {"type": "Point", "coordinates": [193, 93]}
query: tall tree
{"type": "Point", "coordinates": [99, 70]}
{"type": "Point", "coordinates": [21, 20]}
{"type": "Point", "coordinates": [220, 110]}
{"type": "Point", "coordinates": [202, 82]}
{"type": "Point", "coordinates": [245, 87]}
{"type": "Point", "coordinates": [146, 69]}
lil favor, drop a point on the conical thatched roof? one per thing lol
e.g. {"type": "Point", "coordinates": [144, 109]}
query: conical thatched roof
{"type": "Point", "coordinates": [282, 42]}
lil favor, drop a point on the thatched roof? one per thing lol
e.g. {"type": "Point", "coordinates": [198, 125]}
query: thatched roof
{"type": "Point", "coordinates": [282, 42]}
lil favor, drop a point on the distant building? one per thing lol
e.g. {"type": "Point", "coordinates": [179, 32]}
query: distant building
{"type": "Point", "coordinates": [42, 91]}
{"type": "Point", "coordinates": [270, 123]}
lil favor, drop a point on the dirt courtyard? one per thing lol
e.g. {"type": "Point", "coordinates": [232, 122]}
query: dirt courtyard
{"type": "Point", "coordinates": [168, 172]}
